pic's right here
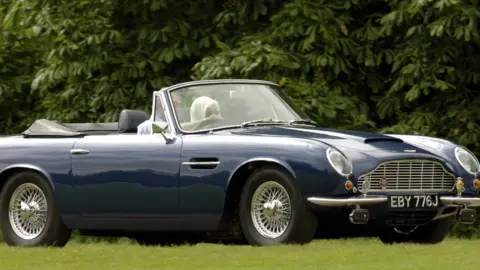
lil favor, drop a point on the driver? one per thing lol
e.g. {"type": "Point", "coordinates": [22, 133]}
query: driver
{"type": "Point", "coordinates": [204, 111]}
{"type": "Point", "coordinates": [203, 107]}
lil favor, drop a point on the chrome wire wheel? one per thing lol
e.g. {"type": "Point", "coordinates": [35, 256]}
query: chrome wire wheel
{"type": "Point", "coordinates": [28, 211]}
{"type": "Point", "coordinates": [271, 209]}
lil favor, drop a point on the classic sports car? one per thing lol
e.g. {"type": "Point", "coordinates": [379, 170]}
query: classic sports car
{"type": "Point", "coordinates": [229, 156]}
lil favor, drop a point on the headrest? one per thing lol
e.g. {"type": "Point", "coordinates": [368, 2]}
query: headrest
{"type": "Point", "coordinates": [130, 119]}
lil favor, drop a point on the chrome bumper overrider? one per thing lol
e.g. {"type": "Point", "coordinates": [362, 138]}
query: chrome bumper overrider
{"type": "Point", "coordinates": [377, 199]}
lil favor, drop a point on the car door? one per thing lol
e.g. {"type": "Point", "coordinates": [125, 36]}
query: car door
{"type": "Point", "coordinates": [126, 175]}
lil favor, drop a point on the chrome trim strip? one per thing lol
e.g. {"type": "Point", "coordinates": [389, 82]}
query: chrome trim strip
{"type": "Point", "coordinates": [339, 202]}
{"type": "Point", "coordinates": [200, 163]}
{"type": "Point", "coordinates": [459, 201]}
{"type": "Point", "coordinates": [359, 179]}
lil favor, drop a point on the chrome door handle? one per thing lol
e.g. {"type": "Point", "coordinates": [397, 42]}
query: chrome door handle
{"type": "Point", "coordinates": [79, 151]}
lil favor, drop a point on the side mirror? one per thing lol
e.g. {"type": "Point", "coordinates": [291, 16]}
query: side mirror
{"type": "Point", "coordinates": [159, 127]}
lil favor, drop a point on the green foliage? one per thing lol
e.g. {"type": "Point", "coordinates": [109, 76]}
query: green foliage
{"type": "Point", "coordinates": [412, 64]}
{"type": "Point", "coordinates": [106, 55]}
{"type": "Point", "coordinates": [397, 66]}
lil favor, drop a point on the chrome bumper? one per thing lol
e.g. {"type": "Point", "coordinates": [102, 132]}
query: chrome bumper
{"type": "Point", "coordinates": [448, 201]}
{"type": "Point", "coordinates": [460, 201]}
{"type": "Point", "coordinates": [339, 202]}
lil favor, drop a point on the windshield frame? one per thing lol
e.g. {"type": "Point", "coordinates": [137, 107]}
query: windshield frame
{"type": "Point", "coordinates": [276, 89]}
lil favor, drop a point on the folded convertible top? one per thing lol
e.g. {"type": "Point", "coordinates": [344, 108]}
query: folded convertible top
{"type": "Point", "coordinates": [47, 128]}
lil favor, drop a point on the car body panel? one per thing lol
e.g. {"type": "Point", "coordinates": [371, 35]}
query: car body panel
{"type": "Point", "coordinates": [50, 157]}
{"type": "Point", "coordinates": [204, 189]}
{"type": "Point", "coordinates": [126, 175]}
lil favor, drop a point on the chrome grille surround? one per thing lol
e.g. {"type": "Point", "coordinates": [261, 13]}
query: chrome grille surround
{"type": "Point", "coordinates": [409, 175]}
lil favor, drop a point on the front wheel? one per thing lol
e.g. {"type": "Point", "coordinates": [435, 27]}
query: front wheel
{"type": "Point", "coordinates": [29, 214]}
{"type": "Point", "coordinates": [273, 210]}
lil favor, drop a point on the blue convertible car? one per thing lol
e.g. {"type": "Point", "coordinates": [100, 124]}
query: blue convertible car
{"type": "Point", "coordinates": [232, 157]}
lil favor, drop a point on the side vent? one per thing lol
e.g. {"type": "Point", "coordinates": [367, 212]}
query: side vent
{"type": "Point", "coordinates": [205, 163]}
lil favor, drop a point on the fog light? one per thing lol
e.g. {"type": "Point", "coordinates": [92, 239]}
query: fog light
{"type": "Point", "coordinates": [466, 216]}
{"type": "Point", "coordinates": [476, 183]}
{"type": "Point", "coordinates": [349, 185]}
{"type": "Point", "coordinates": [359, 216]}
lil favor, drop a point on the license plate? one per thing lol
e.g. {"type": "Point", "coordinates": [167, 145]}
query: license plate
{"type": "Point", "coordinates": [412, 201]}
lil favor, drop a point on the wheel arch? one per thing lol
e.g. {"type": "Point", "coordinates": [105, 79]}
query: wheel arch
{"type": "Point", "coordinates": [12, 169]}
{"type": "Point", "coordinates": [237, 180]}
{"type": "Point", "coordinates": [260, 160]}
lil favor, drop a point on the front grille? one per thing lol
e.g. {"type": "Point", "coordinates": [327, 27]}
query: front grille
{"type": "Point", "coordinates": [408, 175]}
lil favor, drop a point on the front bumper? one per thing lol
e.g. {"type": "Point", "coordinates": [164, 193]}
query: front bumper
{"type": "Point", "coordinates": [447, 201]}
{"type": "Point", "coordinates": [346, 202]}
{"type": "Point", "coordinates": [362, 206]}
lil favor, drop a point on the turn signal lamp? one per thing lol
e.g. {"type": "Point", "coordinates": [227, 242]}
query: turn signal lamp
{"type": "Point", "coordinates": [476, 183]}
{"type": "Point", "coordinates": [349, 185]}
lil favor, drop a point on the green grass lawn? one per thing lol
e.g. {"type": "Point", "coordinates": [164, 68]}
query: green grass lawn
{"type": "Point", "coordinates": [360, 253]}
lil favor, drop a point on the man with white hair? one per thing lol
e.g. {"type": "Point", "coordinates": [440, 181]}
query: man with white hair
{"type": "Point", "coordinates": [203, 111]}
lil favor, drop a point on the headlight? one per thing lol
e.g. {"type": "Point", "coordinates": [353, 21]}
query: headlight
{"type": "Point", "coordinates": [468, 161]}
{"type": "Point", "coordinates": [339, 162]}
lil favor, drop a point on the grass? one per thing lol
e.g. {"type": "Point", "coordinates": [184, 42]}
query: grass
{"type": "Point", "coordinates": [360, 253]}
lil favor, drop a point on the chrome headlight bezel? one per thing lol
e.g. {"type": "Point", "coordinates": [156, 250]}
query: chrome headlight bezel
{"type": "Point", "coordinates": [462, 150]}
{"type": "Point", "coordinates": [344, 171]}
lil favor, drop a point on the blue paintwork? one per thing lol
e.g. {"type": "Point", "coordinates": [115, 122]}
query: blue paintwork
{"type": "Point", "coordinates": [126, 174]}
{"type": "Point", "coordinates": [51, 157]}
{"type": "Point", "coordinates": [139, 182]}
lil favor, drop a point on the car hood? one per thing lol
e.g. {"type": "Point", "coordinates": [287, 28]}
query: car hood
{"type": "Point", "coordinates": [377, 145]}
{"type": "Point", "coordinates": [365, 150]}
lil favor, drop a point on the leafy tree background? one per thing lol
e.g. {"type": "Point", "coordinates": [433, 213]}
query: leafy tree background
{"type": "Point", "coordinates": [397, 66]}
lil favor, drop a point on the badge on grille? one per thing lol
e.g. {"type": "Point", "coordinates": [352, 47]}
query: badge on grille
{"type": "Point", "coordinates": [365, 186]}
{"type": "Point", "coordinates": [383, 183]}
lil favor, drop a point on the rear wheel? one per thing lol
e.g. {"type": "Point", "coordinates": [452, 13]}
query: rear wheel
{"type": "Point", "coordinates": [431, 233]}
{"type": "Point", "coordinates": [273, 210]}
{"type": "Point", "coordinates": [29, 214]}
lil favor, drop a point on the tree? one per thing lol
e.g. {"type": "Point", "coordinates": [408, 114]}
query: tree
{"type": "Point", "coordinates": [411, 63]}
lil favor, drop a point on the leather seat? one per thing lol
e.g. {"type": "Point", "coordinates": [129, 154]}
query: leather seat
{"type": "Point", "coordinates": [130, 119]}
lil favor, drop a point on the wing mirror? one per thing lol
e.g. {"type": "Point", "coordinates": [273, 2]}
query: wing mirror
{"type": "Point", "coordinates": [160, 127]}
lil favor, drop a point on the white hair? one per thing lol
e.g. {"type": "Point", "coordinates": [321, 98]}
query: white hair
{"type": "Point", "coordinates": [198, 110]}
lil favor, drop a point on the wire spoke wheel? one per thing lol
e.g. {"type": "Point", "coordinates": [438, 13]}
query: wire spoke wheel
{"type": "Point", "coordinates": [28, 211]}
{"type": "Point", "coordinates": [271, 209]}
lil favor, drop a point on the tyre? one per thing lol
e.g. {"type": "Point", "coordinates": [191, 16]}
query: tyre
{"type": "Point", "coordinates": [431, 233]}
{"type": "Point", "coordinates": [273, 210]}
{"type": "Point", "coordinates": [29, 214]}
